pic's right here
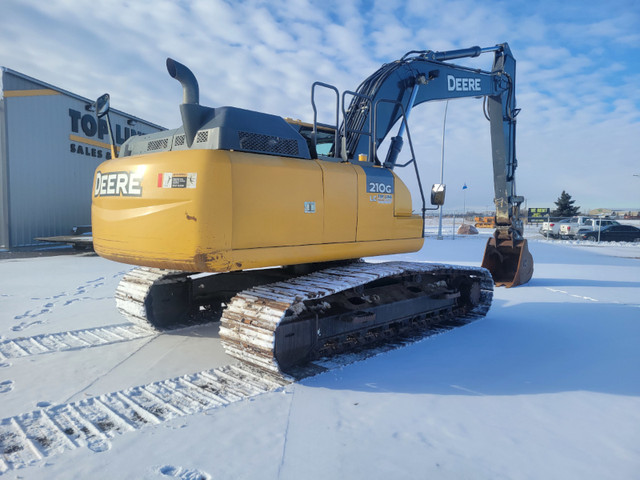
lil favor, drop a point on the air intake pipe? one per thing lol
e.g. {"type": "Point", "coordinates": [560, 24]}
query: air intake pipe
{"type": "Point", "coordinates": [194, 115]}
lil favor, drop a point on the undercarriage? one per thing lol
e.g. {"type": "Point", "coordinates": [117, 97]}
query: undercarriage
{"type": "Point", "coordinates": [280, 320]}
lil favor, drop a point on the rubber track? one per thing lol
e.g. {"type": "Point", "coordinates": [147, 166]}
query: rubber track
{"type": "Point", "coordinates": [26, 439]}
{"type": "Point", "coordinates": [73, 340]}
{"type": "Point", "coordinates": [249, 322]}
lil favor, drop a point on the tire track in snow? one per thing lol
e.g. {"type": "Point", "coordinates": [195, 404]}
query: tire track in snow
{"type": "Point", "coordinates": [71, 340]}
{"type": "Point", "coordinates": [25, 439]}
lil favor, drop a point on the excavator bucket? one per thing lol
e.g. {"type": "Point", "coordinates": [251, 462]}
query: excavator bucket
{"type": "Point", "coordinates": [509, 262]}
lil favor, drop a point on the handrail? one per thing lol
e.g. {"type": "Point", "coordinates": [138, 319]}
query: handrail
{"type": "Point", "coordinates": [315, 115]}
{"type": "Point", "coordinates": [371, 132]}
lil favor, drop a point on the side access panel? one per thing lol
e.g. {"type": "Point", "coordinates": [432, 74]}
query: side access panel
{"type": "Point", "coordinates": [276, 201]}
{"type": "Point", "coordinates": [340, 187]}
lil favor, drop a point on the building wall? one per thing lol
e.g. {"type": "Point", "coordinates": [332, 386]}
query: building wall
{"type": "Point", "coordinates": [4, 181]}
{"type": "Point", "coordinates": [50, 150]}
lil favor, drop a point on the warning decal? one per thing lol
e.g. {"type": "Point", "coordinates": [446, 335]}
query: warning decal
{"type": "Point", "coordinates": [177, 180]}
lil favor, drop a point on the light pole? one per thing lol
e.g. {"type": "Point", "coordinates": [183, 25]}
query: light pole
{"type": "Point", "coordinates": [444, 123]}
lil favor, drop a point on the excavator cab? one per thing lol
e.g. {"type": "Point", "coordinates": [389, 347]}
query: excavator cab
{"type": "Point", "coordinates": [322, 142]}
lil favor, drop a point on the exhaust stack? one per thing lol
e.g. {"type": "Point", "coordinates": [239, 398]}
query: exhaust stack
{"type": "Point", "coordinates": [190, 90]}
{"type": "Point", "coordinates": [194, 115]}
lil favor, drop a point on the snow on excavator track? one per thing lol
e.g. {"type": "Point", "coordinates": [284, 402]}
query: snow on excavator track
{"type": "Point", "coordinates": [133, 294]}
{"type": "Point", "coordinates": [279, 327]}
{"type": "Point", "coordinates": [282, 327]}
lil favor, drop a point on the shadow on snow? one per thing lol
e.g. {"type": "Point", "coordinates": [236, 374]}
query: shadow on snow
{"type": "Point", "coordinates": [528, 348]}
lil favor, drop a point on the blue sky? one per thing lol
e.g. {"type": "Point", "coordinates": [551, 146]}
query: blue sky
{"type": "Point", "coordinates": [578, 74]}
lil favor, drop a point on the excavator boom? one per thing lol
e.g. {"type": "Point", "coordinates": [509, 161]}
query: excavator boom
{"type": "Point", "coordinates": [423, 76]}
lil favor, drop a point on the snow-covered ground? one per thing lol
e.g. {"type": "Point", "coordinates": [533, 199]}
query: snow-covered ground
{"type": "Point", "coordinates": [547, 386]}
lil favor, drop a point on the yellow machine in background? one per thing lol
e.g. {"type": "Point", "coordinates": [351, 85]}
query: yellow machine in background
{"type": "Point", "coordinates": [280, 212]}
{"type": "Point", "coordinates": [484, 222]}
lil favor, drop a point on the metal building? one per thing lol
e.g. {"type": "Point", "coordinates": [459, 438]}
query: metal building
{"type": "Point", "coordinates": [50, 145]}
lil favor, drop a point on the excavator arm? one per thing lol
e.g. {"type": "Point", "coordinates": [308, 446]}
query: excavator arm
{"type": "Point", "coordinates": [423, 76]}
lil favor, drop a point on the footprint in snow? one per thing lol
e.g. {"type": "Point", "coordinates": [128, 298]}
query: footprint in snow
{"type": "Point", "coordinates": [6, 386]}
{"type": "Point", "coordinates": [5, 365]}
{"type": "Point", "coordinates": [30, 314]}
{"type": "Point", "coordinates": [98, 445]}
{"type": "Point", "coordinates": [183, 473]}
{"type": "Point", "coordinates": [23, 325]}
{"type": "Point", "coordinates": [24, 315]}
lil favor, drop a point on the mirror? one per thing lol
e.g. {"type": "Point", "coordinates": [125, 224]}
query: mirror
{"type": "Point", "coordinates": [437, 193]}
{"type": "Point", "coordinates": [102, 105]}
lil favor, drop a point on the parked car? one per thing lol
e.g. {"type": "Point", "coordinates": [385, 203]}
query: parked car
{"type": "Point", "coordinates": [613, 233]}
{"type": "Point", "coordinates": [577, 225]}
{"type": "Point", "coordinates": [596, 224]}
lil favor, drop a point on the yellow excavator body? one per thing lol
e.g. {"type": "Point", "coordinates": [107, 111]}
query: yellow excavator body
{"type": "Point", "coordinates": [220, 211]}
{"type": "Point", "coordinates": [240, 194]}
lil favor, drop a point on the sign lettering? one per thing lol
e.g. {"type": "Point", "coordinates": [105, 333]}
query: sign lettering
{"type": "Point", "coordinates": [463, 84]}
{"type": "Point", "coordinates": [538, 215]}
{"type": "Point", "coordinates": [116, 184]}
{"type": "Point", "coordinates": [91, 128]}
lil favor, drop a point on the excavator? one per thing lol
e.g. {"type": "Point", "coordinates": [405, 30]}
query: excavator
{"type": "Point", "coordinates": [262, 222]}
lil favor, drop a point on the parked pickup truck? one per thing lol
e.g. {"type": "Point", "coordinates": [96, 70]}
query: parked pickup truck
{"type": "Point", "coordinates": [579, 225]}
{"type": "Point", "coordinates": [551, 228]}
